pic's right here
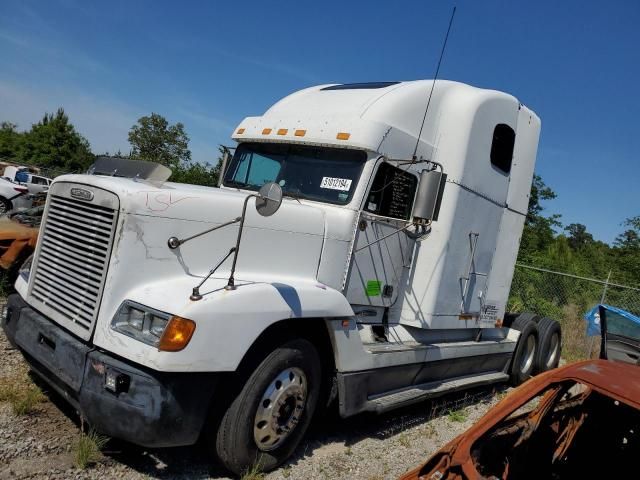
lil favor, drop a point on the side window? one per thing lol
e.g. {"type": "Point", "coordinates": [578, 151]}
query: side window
{"type": "Point", "coordinates": [392, 192]}
{"type": "Point", "coordinates": [504, 139]}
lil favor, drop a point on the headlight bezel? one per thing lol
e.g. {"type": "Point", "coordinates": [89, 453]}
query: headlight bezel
{"type": "Point", "coordinates": [120, 322]}
{"type": "Point", "coordinates": [24, 271]}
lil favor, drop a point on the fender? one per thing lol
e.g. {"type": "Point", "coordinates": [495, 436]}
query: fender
{"type": "Point", "coordinates": [227, 321]}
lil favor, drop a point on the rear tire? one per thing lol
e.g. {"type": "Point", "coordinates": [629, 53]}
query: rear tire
{"type": "Point", "coordinates": [265, 422]}
{"type": "Point", "coordinates": [523, 361]}
{"type": "Point", "coordinates": [550, 335]}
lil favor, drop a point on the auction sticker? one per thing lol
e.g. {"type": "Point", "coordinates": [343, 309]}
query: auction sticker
{"type": "Point", "coordinates": [489, 312]}
{"type": "Point", "coordinates": [332, 183]}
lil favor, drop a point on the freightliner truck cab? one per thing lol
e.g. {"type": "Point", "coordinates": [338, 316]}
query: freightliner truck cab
{"type": "Point", "coordinates": [353, 255]}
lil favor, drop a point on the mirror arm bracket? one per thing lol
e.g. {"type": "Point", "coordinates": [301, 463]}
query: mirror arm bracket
{"type": "Point", "coordinates": [175, 242]}
{"type": "Point", "coordinates": [231, 283]}
{"type": "Point", "coordinates": [195, 294]}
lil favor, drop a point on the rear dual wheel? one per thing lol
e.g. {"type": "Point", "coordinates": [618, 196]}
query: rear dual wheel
{"type": "Point", "coordinates": [524, 356]}
{"type": "Point", "coordinates": [265, 422]}
{"type": "Point", "coordinates": [538, 349]}
{"type": "Point", "coordinates": [550, 349]}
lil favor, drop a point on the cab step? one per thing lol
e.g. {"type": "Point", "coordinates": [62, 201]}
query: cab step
{"type": "Point", "coordinates": [406, 396]}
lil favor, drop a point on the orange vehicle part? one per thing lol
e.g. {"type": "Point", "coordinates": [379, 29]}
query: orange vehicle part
{"type": "Point", "coordinates": [619, 382]}
{"type": "Point", "coordinates": [17, 241]}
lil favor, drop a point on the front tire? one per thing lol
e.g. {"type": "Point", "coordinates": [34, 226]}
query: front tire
{"type": "Point", "coordinates": [265, 422]}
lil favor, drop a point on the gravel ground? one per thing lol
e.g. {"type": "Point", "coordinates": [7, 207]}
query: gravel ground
{"type": "Point", "coordinates": [39, 445]}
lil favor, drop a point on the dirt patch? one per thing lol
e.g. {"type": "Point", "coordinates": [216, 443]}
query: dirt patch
{"type": "Point", "coordinates": [38, 445]}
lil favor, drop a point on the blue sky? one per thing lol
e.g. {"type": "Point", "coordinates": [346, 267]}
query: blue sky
{"type": "Point", "coordinates": [209, 64]}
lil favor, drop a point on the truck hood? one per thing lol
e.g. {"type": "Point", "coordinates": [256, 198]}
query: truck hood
{"type": "Point", "coordinates": [289, 243]}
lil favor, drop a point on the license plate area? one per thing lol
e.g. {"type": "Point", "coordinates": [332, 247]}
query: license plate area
{"type": "Point", "coordinates": [59, 352]}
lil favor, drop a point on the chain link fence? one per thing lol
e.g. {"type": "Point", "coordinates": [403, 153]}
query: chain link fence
{"type": "Point", "coordinates": [567, 298]}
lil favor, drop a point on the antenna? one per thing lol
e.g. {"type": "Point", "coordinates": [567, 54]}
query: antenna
{"type": "Point", "coordinates": [414, 159]}
{"type": "Point", "coordinates": [424, 118]}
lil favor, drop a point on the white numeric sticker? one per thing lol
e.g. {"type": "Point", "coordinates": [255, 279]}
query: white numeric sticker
{"type": "Point", "coordinates": [343, 184]}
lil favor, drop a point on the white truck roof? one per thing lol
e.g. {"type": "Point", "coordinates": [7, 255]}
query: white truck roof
{"type": "Point", "coordinates": [379, 117]}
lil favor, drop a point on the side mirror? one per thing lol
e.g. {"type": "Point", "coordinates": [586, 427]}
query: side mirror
{"type": "Point", "coordinates": [429, 197]}
{"type": "Point", "coordinates": [269, 199]}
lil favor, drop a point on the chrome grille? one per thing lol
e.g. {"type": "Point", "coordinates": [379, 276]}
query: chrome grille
{"type": "Point", "coordinates": [72, 256]}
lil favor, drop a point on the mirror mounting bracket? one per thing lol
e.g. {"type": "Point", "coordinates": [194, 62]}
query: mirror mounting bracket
{"type": "Point", "coordinates": [231, 282]}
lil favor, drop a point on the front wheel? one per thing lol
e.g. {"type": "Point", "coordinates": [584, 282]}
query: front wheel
{"type": "Point", "coordinates": [266, 421]}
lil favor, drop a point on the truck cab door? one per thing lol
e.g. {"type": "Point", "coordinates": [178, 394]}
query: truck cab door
{"type": "Point", "coordinates": [381, 251]}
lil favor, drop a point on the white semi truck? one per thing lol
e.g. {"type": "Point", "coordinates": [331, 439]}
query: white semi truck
{"type": "Point", "coordinates": [353, 255]}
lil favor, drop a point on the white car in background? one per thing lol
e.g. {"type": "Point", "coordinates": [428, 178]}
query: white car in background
{"type": "Point", "coordinates": [13, 196]}
{"type": "Point", "coordinates": [20, 174]}
{"type": "Point", "coordinates": [35, 183]}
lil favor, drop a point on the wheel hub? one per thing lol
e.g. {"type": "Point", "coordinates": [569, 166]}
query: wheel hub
{"type": "Point", "coordinates": [527, 358]}
{"type": "Point", "coordinates": [553, 351]}
{"type": "Point", "coordinates": [280, 409]}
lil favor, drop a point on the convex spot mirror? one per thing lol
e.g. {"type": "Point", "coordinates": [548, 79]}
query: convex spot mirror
{"type": "Point", "coordinates": [429, 197]}
{"type": "Point", "coordinates": [269, 199]}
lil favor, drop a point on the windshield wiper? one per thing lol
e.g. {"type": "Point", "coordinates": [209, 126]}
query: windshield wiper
{"type": "Point", "coordinates": [295, 196]}
{"type": "Point", "coordinates": [235, 183]}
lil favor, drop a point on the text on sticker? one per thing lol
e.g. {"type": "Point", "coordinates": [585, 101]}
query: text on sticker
{"type": "Point", "coordinates": [332, 183]}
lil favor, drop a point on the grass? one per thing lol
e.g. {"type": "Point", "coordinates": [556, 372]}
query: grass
{"type": "Point", "coordinates": [87, 448]}
{"type": "Point", "coordinates": [457, 415]}
{"type": "Point", "coordinates": [252, 473]}
{"type": "Point", "coordinates": [575, 343]}
{"type": "Point", "coordinates": [430, 431]}
{"type": "Point", "coordinates": [22, 395]}
{"type": "Point", "coordinates": [404, 440]}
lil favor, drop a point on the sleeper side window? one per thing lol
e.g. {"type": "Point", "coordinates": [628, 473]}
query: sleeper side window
{"type": "Point", "coordinates": [392, 192]}
{"type": "Point", "coordinates": [504, 138]}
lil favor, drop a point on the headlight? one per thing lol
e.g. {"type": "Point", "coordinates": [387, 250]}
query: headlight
{"type": "Point", "coordinates": [153, 327]}
{"type": "Point", "coordinates": [25, 269]}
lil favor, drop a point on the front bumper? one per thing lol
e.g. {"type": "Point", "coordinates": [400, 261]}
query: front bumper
{"type": "Point", "coordinates": [156, 410]}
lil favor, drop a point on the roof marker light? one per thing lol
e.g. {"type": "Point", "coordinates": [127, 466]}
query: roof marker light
{"type": "Point", "coordinates": [300, 133]}
{"type": "Point", "coordinates": [343, 136]}
{"type": "Point", "coordinates": [282, 131]}
{"type": "Point", "coordinates": [266, 131]}
{"type": "Point", "coordinates": [240, 131]}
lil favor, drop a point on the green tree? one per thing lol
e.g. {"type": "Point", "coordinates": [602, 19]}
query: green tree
{"type": "Point", "coordinates": [539, 191]}
{"type": "Point", "coordinates": [53, 142]}
{"type": "Point", "coordinates": [538, 233]}
{"type": "Point", "coordinates": [626, 252]}
{"type": "Point", "coordinates": [578, 236]}
{"type": "Point", "coordinates": [630, 238]}
{"type": "Point", "coordinates": [10, 141]}
{"type": "Point", "coordinates": [153, 139]}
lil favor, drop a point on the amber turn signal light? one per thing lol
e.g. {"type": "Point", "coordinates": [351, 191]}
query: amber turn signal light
{"type": "Point", "coordinates": [177, 334]}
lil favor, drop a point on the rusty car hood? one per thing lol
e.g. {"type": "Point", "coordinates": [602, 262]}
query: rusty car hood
{"type": "Point", "coordinates": [619, 381]}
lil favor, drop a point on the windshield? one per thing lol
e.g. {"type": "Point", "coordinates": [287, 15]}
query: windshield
{"type": "Point", "coordinates": [315, 173]}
